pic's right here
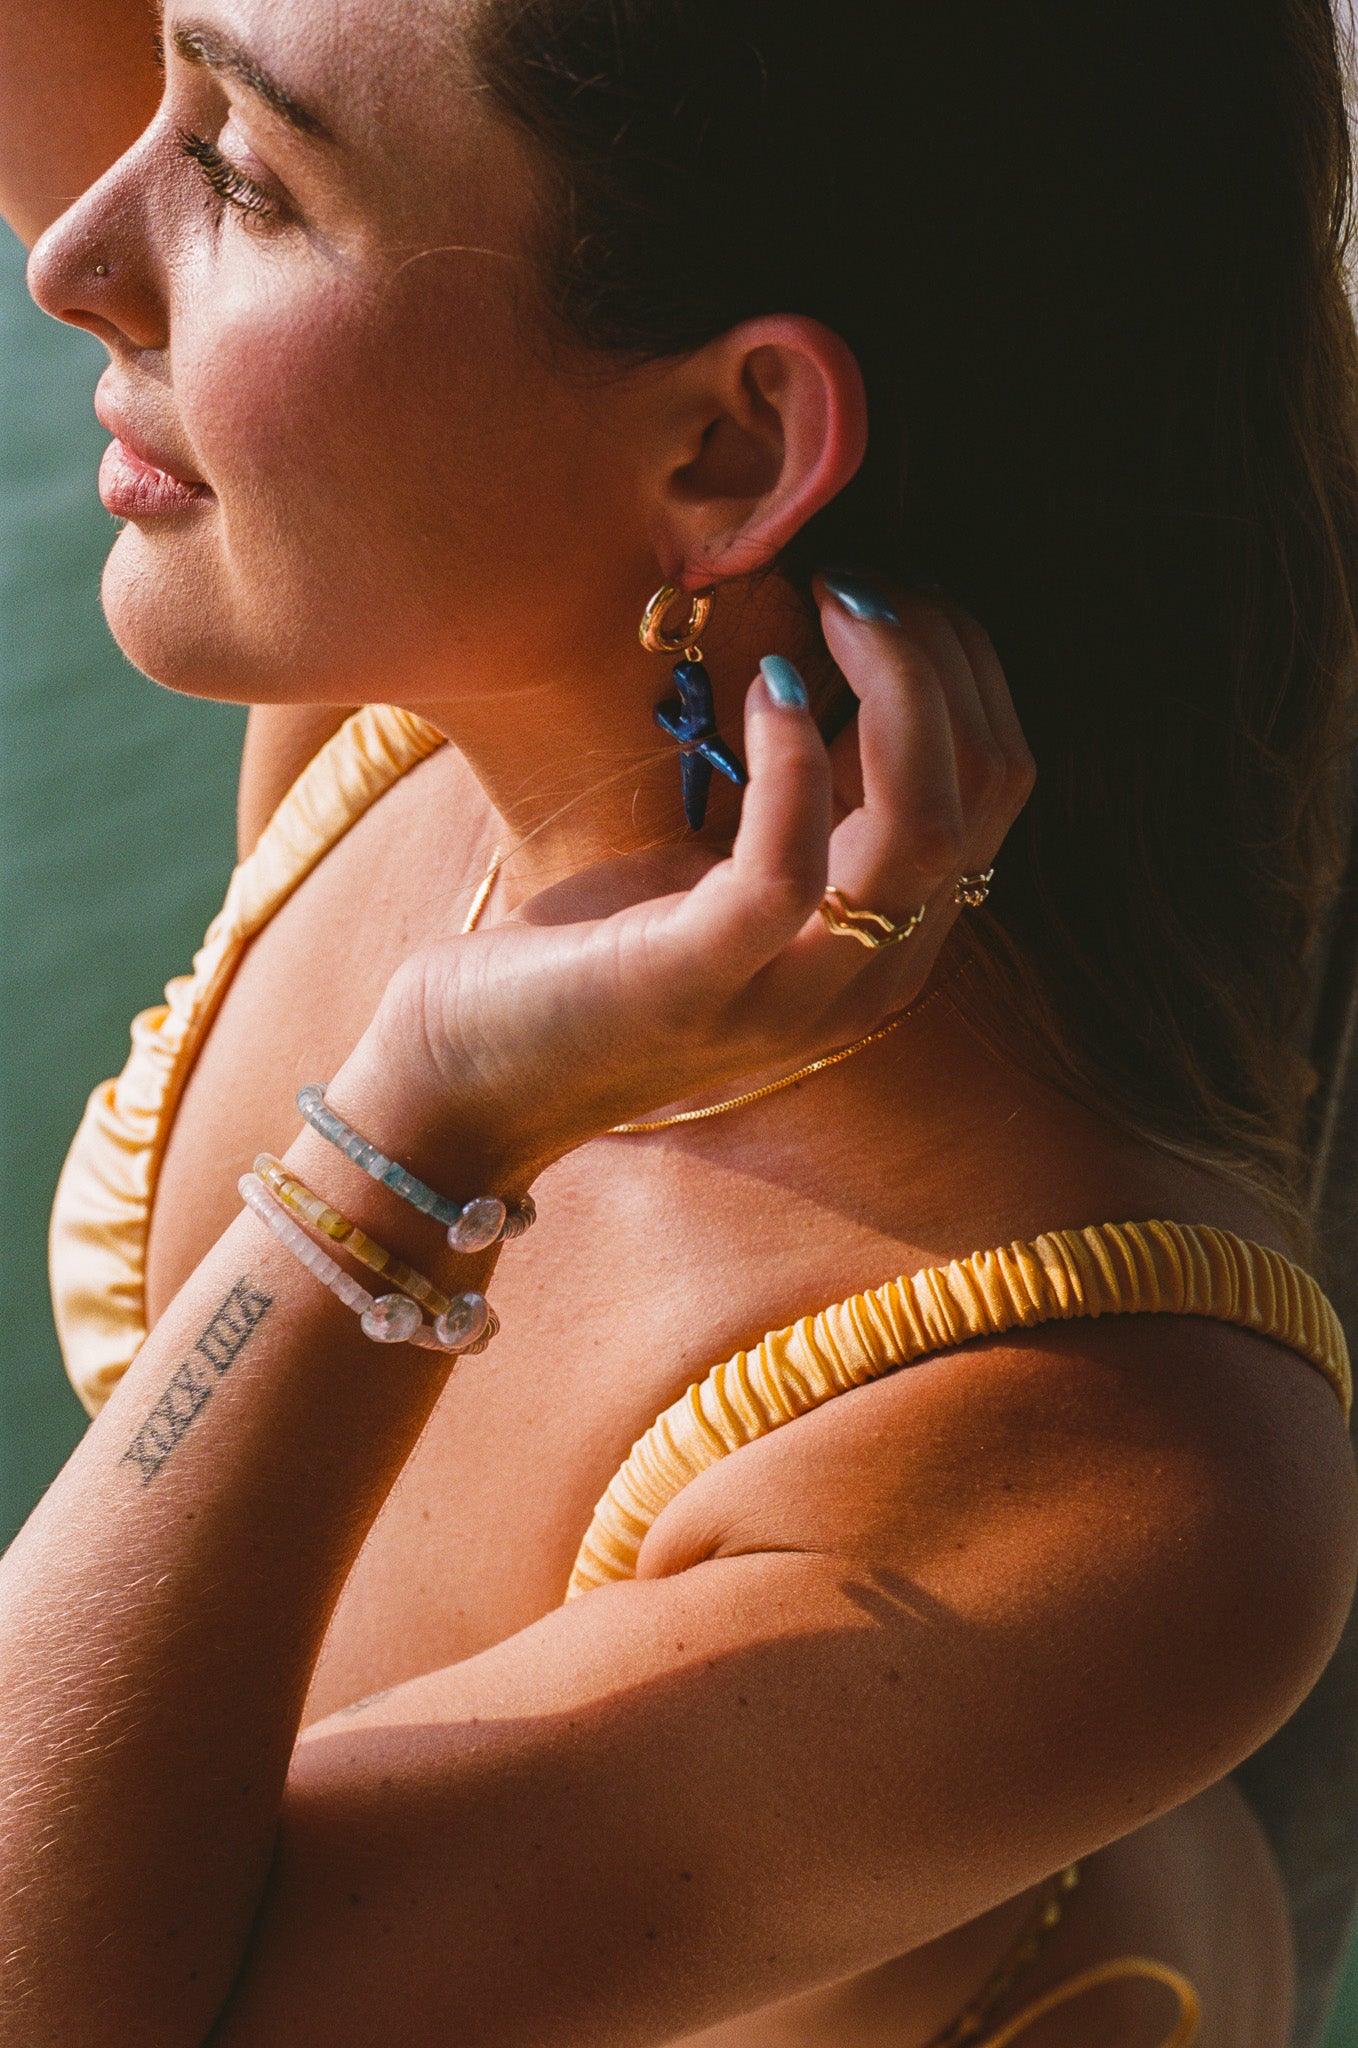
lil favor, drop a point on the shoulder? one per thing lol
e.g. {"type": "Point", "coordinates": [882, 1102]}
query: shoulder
{"type": "Point", "coordinates": [1164, 1505]}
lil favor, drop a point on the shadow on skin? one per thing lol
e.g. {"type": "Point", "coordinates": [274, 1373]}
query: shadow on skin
{"type": "Point", "coordinates": [590, 1848]}
{"type": "Point", "coordinates": [889, 1594]}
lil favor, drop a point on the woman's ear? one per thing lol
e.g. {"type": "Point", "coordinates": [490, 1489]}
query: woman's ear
{"type": "Point", "coordinates": [773, 423]}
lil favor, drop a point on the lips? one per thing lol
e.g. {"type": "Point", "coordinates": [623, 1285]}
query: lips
{"type": "Point", "coordinates": [133, 489]}
{"type": "Point", "coordinates": [136, 480]}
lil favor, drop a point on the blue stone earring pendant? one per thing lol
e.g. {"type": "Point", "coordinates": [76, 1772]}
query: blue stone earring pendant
{"type": "Point", "coordinates": [690, 719]}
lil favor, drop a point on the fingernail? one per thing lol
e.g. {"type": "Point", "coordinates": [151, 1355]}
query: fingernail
{"type": "Point", "coordinates": [861, 600]}
{"type": "Point", "coordinates": [783, 683]}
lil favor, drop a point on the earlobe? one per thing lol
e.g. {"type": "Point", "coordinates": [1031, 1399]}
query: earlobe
{"type": "Point", "coordinates": [787, 431]}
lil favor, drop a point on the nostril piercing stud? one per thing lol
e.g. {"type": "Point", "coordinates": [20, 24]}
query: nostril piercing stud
{"type": "Point", "coordinates": [101, 270]}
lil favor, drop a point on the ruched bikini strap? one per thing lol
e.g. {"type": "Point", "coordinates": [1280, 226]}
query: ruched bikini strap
{"type": "Point", "coordinates": [103, 1204]}
{"type": "Point", "coordinates": [1124, 1970]}
{"type": "Point", "coordinates": [1108, 1269]}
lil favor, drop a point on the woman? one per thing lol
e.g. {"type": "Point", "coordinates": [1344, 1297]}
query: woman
{"type": "Point", "coordinates": [444, 343]}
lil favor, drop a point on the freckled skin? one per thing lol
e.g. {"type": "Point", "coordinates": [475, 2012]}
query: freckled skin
{"type": "Point", "coordinates": [413, 501]}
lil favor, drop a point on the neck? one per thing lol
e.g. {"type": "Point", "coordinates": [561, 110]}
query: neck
{"type": "Point", "coordinates": [576, 768]}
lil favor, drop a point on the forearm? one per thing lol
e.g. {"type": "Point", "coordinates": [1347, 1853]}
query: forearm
{"type": "Point", "coordinates": [160, 1616]}
{"type": "Point", "coordinates": [78, 83]}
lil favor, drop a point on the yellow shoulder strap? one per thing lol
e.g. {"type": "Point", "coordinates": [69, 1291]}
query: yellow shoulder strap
{"type": "Point", "coordinates": [1108, 1269]}
{"type": "Point", "coordinates": [103, 1202]}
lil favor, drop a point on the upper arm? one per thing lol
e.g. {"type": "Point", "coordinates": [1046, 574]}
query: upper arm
{"type": "Point", "coordinates": [78, 83]}
{"type": "Point", "coordinates": [881, 1670]}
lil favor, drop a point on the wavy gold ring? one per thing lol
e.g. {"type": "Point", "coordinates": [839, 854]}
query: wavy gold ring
{"type": "Point", "coordinates": [868, 927]}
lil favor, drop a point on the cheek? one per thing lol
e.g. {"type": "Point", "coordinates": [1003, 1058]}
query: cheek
{"type": "Point", "coordinates": [397, 473]}
{"type": "Point", "coordinates": [351, 413]}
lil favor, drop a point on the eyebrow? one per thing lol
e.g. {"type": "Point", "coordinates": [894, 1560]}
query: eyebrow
{"type": "Point", "coordinates": [203, 46]}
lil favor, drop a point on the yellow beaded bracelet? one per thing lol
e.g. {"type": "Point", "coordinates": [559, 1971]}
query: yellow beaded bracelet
{"type": "Point", "coordinates": [299, 1201]}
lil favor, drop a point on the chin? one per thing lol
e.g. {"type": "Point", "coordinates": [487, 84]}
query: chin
{"type": "Point", "coordinates": [169, 614]}
{"type": "Point", "coordinates": [160, 610]}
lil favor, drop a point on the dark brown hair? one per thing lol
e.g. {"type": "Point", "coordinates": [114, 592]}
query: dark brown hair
{"type": "Point", "coordinates": [1090, 255]}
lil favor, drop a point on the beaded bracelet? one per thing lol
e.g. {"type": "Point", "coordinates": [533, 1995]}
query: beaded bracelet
{"type": "Point", "coordinates": [457, 1322]}
{"type": "Point", "coordinates": [472, 1226]}
{"type": "Point", "coordinates": [392, 1319]}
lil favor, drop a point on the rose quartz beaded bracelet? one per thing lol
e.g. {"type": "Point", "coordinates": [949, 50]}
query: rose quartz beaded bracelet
{"type": "Point", "coordinates": [472, 1226]}
{"type": "Point", "coordinates": [467, 1325]}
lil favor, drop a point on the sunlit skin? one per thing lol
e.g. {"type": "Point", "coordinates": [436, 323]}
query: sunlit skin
{"type": "Point", "coordinates": [880, 1675]}
{"type": "Point", "coordinates": [523, 526]}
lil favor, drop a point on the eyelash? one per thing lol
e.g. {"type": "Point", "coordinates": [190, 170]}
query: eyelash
{"type": "Point", "coordinates": [229, 184]}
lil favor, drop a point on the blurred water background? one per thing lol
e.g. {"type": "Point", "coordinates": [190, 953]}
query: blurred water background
{"type": "Point", "coordinates": [117, 834]}
{"type": "Point", "coordinates": [116, 840]}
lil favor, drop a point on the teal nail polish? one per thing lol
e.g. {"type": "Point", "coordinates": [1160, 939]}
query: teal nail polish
{"type": "Point", "coordinates": [783, 683]}
{"type": "Point", "coordinates": [861, 600]}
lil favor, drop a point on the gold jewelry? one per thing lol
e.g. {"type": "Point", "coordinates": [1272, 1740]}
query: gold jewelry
{"type": "Point", "coordinates": [829, 1059]}
{"type": "Point", "coordinates": [698, 1116]}
{"type": "Point", "coordinates": [868, 927]}
{"type": "Point", "coordinates": [656, 640]}
{"type": "Point", "coordinates": [482, 896]}
{"type": "Point", "coordinates": [972, 890]}
{"type": "Point", "coordinates": [1120, 1970]}
{"type": "Point", "coordinates": [690, 718]}
{"type": "Point", "coordinates": [1045, 1918]}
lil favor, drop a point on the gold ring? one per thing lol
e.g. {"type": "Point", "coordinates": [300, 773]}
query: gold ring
{"type": "Point", "coordinates": [869, 927]}
{"type": "Point", "coordinates": [972, 890]}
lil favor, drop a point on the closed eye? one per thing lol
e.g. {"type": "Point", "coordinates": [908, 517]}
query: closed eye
{"type": "Point", "coordinates": [225, 180]}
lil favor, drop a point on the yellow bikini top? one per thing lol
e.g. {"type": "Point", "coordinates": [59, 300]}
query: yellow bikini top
{"type": "Point", "coordinates": [102, 1211]}
{"type": "Point", "coordinates": [103, 1203]}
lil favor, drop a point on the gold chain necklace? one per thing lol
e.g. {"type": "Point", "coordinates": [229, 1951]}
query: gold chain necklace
{"type": "Point", "coordinates": [971, 2023]}
{"type": "Point", "coordinates": [698, 1116]}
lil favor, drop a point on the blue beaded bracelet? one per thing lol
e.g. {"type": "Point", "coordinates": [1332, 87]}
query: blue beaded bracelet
{"type": "Point", "coordinates": [472, 1226]}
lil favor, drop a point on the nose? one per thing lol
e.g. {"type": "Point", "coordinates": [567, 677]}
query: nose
{"type": "Point", "coordinates": [96, 266]}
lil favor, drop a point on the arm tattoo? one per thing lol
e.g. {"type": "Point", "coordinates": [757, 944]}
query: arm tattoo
{"type": "Point", "coordinates": [192, 1382]}
{"type": "Point", "coordinates": [374, 1699]}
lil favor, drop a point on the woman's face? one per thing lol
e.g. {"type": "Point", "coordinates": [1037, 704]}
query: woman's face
{"type": "Point", "coordinates": [314, 278]}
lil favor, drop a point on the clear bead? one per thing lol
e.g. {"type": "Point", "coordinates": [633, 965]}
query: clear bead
{"type": "Point", "coordinates": [483, 1342]}
{"type": "Point", "coordinates": [465, 1319]}
{"type": "Point", "coordinates": [393, 1319]}
{"type": "Point", "coordinates": [478, 1226]}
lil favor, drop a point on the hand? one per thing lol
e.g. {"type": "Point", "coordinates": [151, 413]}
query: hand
{"type": "Point", "coordinates": [523, 1041]}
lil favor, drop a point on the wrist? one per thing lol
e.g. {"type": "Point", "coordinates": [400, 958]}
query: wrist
{"type": "Point", "coordinates": [450, 1141]}
{"type": "Point", "coordinates": [372, 1150]}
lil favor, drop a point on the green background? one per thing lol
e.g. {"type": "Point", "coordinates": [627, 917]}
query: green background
{"type": "Point", "coordinates": [116, 840]}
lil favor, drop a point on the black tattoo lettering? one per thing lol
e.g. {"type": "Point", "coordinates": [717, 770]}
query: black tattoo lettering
{"type": "Point", "coordinates": [192, 1381]}
{"type": "Point", "coordinates": [373, 1699]}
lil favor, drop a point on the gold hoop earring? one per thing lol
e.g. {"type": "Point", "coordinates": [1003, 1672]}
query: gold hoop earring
{"type": "Point", "coordinates": [690, 719]}
{"type": "Point", "coordinates": [656, 640]}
